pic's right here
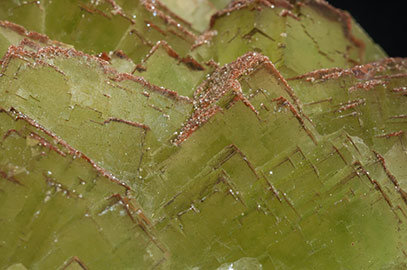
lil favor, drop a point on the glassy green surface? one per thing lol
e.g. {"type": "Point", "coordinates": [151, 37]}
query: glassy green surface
{"type": "Point", "coordinates": [198, 135]}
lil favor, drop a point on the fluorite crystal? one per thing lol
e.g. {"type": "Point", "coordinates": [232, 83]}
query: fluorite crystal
{"type": "Point", "coordinates": [146, 134]}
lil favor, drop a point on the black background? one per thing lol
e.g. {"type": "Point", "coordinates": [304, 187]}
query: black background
{"type": "Point", "coordinates": [384, 21]}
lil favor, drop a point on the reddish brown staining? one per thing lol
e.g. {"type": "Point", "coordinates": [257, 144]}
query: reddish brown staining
{"type": "Point", "coordinates": [29, 34]}
{"type": "Point", "coordinates": [18, 52]}
{"type": "Point", "coordinates": [10, 132]}
{"type": "Point", "coordinates": [188, 60]}
{"type": "Point", "coordinates": [231, 189]}
{"type": "Point", "coordinates": [72, 260]}
{"type": "Point", "coordinates": [377, 186]}
{"type": "Point", "coordinates": [362, 72]}
{"type": "Point", "coordinates": [353, 143]}
{"type": "Point", "coordinates": [284, 102]}
{"type": "Point", "coordinates": [192, 63]}
{"type": "Point", "coordinates": [127, 122]}
{"type": "Point", "coordinates": [29, 43]}
{"type": "Point", "coordinates": [154, 6]}
{"type": "Point", "coordinates": [131, 209]}
{"type": "Point", "coordinates": [253, 4]}
{"type": "Point", "coordinates": [155, 27]}
{"type": "Point", "coordinates": [204, 38]}
{"type": "Point", "coordinates": [287, 200]}
{"type": "Point", "coordinates": [400, 90]}
{"type": "Point", "coordinates": [47, 144]}
{"type": "Point", "coordinates": [10, 178]}
{"type": "Point", "coordinates": [141, 38]}
{"type": "Point", "coordinates": [223, 81]}
{"type": "Point", "coordinates": [104, 56]}
{"type": "Point", "coordinates": [285, 13]}
{"type": "Point", "coordinates": [233, 149]}
{"type": "Point", "coordinates": [211, 63]}
{"type": "Point", "coordinates": [367, 85]}
{"type": "Point", "coordinates": [340, 154]}
{"type": "Point", "coordinates": [237, 5]}
{"type": "Point", "coordinates": [72, 151]}
{"type": "Point", "coordinates": [168, 11]}
{"type": "Point", "coordinates": [273, 70]}
{"type": "Point", "coordinates": [139, 68]}
{"type": "Point", "coordinates": [92, 10]}
{"type": "Point", "coordinates": [274, 190]}
{"type": "Point", "coordinates": [392, 134]}
{"type": "Point", "coordinates": [161, 90]}
{"type": "Point", "coordinates": [121, 55]}
{"type": "Point", "coordinates": [384, 195]}
{"type": "Point", "coordinates": [138, 217]}
{"type": "Point", "coordinates": [52, 52]}
{"type": "Point", "coordinates": [392, 178]}
{"type": "Point", "coordinates": [343, 17]}
{"type": "Point", "coordinates": [117, 10]}
{"type": "Point", "coordinates": [319, 101]}
{"type": "Point", "coordinates": [37, 36]}
{"type": "Point", "coordinates": [14, 27]}
{"type": "Point", "coordinates": [49, 53]}
{"type": "Point", "coordinates": [254, 31]}
{"type": "Point", "coordinates": [401, 116]}
{"type": "Point", "coordinates": [60, 187]}
{"type": "Point", "coordinates": [350, 105]}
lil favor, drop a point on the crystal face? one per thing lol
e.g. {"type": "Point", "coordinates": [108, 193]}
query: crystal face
{"type": "Point", "coordinates": [173, 134]}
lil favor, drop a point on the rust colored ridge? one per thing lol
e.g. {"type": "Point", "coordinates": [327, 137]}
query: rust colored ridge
{"type": "Point", "coordinates": [213, 64]}
{"type": "Point", "coordinates": [367, 85]}
{"type": "Point", "coordinates": [73, 260]}
{"type": "Point", "coordinates": [130, 208]}
{"type": "Point", "coordinates": [401, 116]}
{"type": "Point", "coordinates": [172, 14]}
{"type": "Point", "coordinates": [10, 132]}
{"type": "Point", "coordinates": [104, 56]}
{"type": "Point", "coordinates": [362, 72]}
{"type": "Point", "coordinates": [131, 123]}
{"type": "Point", "coordinates": [351, 104]}
{"type": "Point", "coordinates": [188, 60]}
{"type": "Point", "coordinates": [155, 6]}
{"type": "Point", "coordinates": [374, 183]}
{"type": "Point", "coordinates": [161, 90]}
{"type": "Point", "coordinates": [204, 38]}
{"type": "Point", "coordinates": [392, 134]}
{"type": "Point", "coordinates": [45, 143]}
{"type": "Point", "coordinates": [51, 182]}
{"type": "Point", "coordinates": [117, 10]}
{"type": "Point", "coordinates": [155, 27]}
{"type": "Point", "coordinates": [121, 55]}
{"type": "Point", "coordinates": [92, 10]}
{"type": "Point", "coordinates": [51, 52]}
{"type": "Point", "coordinates": [286, 12]}
{"type": "Point", "coordinates": [220, 83]}
{"type": "Point", "coordinates": [343, 17]}
{"type": "Point", "coordinates": [282, 101]}
{"type": "Point", "coordinates": [71, 150]}
{"type": "Point", "coordinates": [232, 150]}
{"type": "Point", "coordinates": [392, 178]}
{"type": "Point", "coordinates": [400, 90]}
{"type": "Point", "coordinates": [30, 34]}
{"type": "Point", "coordinates": [141, 219]}
{"type": "Point", "coordinates": [257, 4]}
{"type": "Point", "coordinates": [10, 178]}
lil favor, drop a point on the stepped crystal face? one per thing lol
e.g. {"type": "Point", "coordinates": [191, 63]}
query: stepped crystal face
{"type": "Point", "coordinates": [146, 134]}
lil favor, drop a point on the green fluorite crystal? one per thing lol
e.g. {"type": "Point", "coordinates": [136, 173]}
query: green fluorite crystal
{"type": "Point", "coordinates": [255, 134]}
